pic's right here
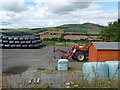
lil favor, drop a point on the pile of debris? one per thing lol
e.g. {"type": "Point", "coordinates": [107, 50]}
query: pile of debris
{"type": "Point", "coordinates": [27, 41]}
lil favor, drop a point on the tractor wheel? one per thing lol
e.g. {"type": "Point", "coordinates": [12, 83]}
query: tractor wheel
{"type": "Point", "coordinates": [80, 56]}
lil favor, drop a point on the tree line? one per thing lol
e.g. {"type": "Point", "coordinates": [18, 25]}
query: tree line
{"type": "Point", "coordinates": [111, 32]}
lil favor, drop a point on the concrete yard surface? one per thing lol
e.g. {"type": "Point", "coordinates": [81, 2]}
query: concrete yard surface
{"type": "Point", "coordinates": [20, 65]}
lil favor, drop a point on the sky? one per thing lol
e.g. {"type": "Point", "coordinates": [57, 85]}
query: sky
{"type": "Point", "coordinates": [49, 13]}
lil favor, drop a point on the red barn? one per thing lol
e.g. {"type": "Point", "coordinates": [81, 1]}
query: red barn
{"type": "Point", "coordinates": [104, 51]}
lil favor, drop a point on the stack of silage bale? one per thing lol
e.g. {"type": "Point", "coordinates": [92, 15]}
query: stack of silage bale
{"type": "Point", "coordinates": [28, 41]}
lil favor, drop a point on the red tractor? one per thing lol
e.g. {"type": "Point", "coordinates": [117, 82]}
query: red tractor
{"type": "Point", "coordinates": [79, 53]}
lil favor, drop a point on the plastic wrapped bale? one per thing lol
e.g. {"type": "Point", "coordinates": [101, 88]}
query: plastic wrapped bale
{"type": "Point", "coordinates": [0, 41]}
{"type": "Point", "coordinates": [24, 46]}
{"type": "Point", "coordinates": [21, 39]}
{"type": "Point", "coordinates": [11, 42]}
{"type": "Point", "coordinates": [34, 42]}
{"type": "Point", "coordinates": [114, 69]}
{"type": "Point", "coordinates": [63, 64]}
{"type": "Point", "coordinates": [27, 38]}
{"type": "Point", "coordinates": [30, 46]}
{"type": "Point", "coordinates": [5, 41]}
{"type": "Point", "coordinates": [36, 45]}
{"type": "Point", "coordinates": [95, 71]}
{"type": "Point", "coordinates": [10, 38]}
{"type": "Point", "coordinates": [39, 41]}
{"type": "Point", "coordinates": [28, 42]}
{"type": "Point", "coordinates": [13, 46]}
{"type": "Point", "coordinates": [16, 38]}
{"type": "Point", "coordinates": [7, 45]}
{"type": "Point", "coordinates": [22, 42]}
{"type": "Point", "coordinates": [4, 38]}
{"type": "Point", "coordinates": [16, 42]}
{"type": "Point", "coordinates": [1, 45]}
{"type": "Point", "coordinates": [18, 46]}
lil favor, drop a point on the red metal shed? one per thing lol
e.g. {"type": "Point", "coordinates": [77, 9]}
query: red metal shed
{"type": "Point", "coordinates": [104, 51]}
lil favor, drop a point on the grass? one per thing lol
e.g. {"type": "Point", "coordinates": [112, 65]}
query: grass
{"type": "Point", "coordinates": [63, 43]}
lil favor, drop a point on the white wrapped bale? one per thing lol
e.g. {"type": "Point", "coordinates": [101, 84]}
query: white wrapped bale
{"type": "Point", "coordinates": [95, 71]}
{"type": "Point", "coordinates": [114, 69]}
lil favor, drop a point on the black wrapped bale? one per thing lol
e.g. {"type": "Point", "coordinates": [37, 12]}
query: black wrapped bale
{"type": "Point", "coordinates": [34, 42]}
{"type": "Point", "coordinates": [11, 42]}
{"type": "Point", "coordinates": [4, 38]}
{"type": "Point", "coordinates": [18, 46]}
{"type": "Point", "coordinates": [30, 46]}
{"type": "Point", "coordinates": [21, 38]}
{"type": "Point", "coordinates": [24, 46]}
{"type": "Point", "coordinates": [22, 42]}
{"type": "Point", "coordinates": [37, 35]}
{"type": "Point", "coordinates": [5, 41]}
{"type": "Point", "coordinates": [0, 41]}
{"type": "Point", "coordinates": [7, 46]}
{"type": "Point", "coordinates": [41, 45]}
{"type": "Point", "coordinates": [32, 38]}
{"type": "Point", "coordinates": [37, 45]}
{"type": "Point", "coordinates": [17, 42]}
{"type": "Point", "coordinates": [28, 42]}
{"type": "Point", "coordinates": [39, 41]}
{"type": "Point", "coordinates": [13, 46]}
{"type": "Point", "coordinates": [37, 38]}
{"type": "Point", "coordinates": [1, 45]}
{"type": "Point", "coordinates": [27, 38]}
{"type": "Point", "coordinates": [10, 38]}
{"type": "Point", "coordinates": [16, 38]}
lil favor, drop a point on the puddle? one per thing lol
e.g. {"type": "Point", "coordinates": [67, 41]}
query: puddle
{"type": "Point", "coordinates": [15, 70]}
{"type": "Point", "coordinates": [40, 68]}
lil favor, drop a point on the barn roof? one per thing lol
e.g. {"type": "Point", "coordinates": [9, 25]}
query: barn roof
{"type": "Point", "coordinates": [107, 45]}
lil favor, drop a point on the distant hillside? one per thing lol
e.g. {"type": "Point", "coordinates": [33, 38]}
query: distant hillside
{"type": "Point", "coordinates": [85, 28]}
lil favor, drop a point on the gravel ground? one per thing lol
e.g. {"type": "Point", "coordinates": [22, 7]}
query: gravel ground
{"type": "Point", "coordinates": [19, 65]}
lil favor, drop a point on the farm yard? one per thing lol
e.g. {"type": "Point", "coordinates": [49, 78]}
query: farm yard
{"type": "Point", "coordinates": [20, 65]}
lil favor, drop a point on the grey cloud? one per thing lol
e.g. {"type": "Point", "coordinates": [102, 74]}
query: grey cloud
{"type": "Point", "coordinates": [72, 6]}
{"type": "Point", "coordinates": [13, 5]}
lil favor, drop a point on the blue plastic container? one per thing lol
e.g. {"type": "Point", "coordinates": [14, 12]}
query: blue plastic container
{"type": "Point", "coordinates": [114, 68]}
{"type": "Point", "coordinates": [95, 71]}
{"type": "Point", "coordinates": [63, 64]}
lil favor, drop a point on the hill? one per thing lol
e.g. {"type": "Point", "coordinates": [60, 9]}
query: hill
{"type": "Point", "coordinates": [85, 28]}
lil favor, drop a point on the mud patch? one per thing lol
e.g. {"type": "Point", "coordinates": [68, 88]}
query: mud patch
{"type": "Point", "coordinates": [15, 70]}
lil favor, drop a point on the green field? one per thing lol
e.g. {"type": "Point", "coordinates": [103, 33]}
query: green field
{"type": "Point", "coordinates": [85, 28]}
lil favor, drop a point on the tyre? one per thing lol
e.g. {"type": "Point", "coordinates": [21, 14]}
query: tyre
{"type": "Point", "coordinates": [80, 56]}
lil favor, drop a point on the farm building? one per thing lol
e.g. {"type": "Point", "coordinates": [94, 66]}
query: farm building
{"type": "Point", "coordinates": [104, 51]}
